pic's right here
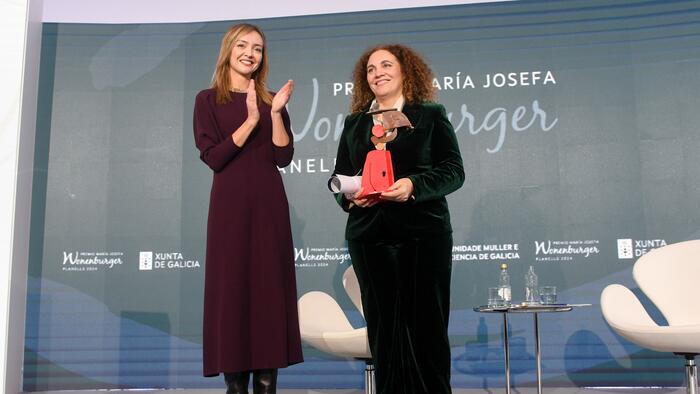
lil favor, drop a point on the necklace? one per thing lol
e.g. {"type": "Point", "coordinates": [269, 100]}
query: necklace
{"type": "Point", "coordinates": [234, 90]}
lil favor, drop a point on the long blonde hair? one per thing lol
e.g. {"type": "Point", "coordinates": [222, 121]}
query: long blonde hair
{"type": "Point", "coordinates": [222, 77]}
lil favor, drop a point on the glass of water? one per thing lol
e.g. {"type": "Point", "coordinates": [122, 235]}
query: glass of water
{"type": "Point", "coordinates": [548, 295]}
{"type": "Point", "coordinates": [495, 297]}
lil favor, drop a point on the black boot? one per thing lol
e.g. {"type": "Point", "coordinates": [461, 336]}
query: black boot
{"type": "Point", "coordinates": [265, 381]}
{"type": "Point", "coordinates": [237, 382]}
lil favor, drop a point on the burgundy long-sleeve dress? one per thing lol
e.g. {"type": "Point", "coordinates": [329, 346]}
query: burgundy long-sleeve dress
{"type": "Point", "coordinates": [250, 298]}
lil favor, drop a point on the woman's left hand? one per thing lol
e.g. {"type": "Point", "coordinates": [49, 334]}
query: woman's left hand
{"type": "Point", "coordinates": [400, 191]}
{"type": "Point", "coordinates": [282, 97]}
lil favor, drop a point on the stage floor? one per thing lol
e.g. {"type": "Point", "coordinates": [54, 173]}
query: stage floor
{"type": "Point", "coordinates": [515, 390]}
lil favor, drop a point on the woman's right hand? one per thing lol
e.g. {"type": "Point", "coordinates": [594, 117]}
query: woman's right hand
{"type": "Point", "coordinates": [251, 102]}
{"type": "Point", "coordinates": [363, 202]}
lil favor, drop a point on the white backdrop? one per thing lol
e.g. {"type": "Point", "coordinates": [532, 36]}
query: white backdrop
{"type": "Point", "coordinates": [13, 17]}
{"type": "Point", "coordinates": [163, 11]}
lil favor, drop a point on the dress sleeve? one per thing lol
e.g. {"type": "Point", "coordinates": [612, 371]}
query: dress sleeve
{"type": "Point", "coordinates": [214, 151]}
{"type": "Point", "coordinates": [283, 154]}
{"type": "Point", "coordinates": [343, 166]}
{"type": "Point", "coordinates": [447, 173]}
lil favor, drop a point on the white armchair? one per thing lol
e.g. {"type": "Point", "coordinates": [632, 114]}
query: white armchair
{"type": "Point", "coordinates": [323, 325]}
{"type": "Point", "coordinates": [669, 277]}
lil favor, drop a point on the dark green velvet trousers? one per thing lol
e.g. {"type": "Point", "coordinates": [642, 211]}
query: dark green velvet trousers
{"type": "Point", "coordinates": [406, 300]}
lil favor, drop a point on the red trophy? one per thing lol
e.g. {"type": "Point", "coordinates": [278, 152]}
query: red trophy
{"type": "Point", "coordinates": [378, 173]}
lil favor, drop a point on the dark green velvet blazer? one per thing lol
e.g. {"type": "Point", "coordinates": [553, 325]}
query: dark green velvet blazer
{"type": "Point", "coordinates": [428, 155]}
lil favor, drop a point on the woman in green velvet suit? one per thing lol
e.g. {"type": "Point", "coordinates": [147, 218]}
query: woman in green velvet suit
{"type": "Point", "coordinates": [401, 243]}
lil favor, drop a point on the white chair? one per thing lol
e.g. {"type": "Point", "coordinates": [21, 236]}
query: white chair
{"type": "Point", "coordinates": [323, 325]}
{"type": "Point", "coordinates": [669, 277]}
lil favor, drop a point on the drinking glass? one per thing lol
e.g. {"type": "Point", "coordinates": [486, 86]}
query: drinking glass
{"type": "Point", "coordinates": [495, 297]}
{"type": "Point", "coordinates": [548, 295]}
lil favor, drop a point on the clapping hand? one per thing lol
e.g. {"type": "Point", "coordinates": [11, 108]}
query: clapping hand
{"type": "Point", "coordinates": [251, 102]}
{"type": "Point", "coordinates": [282, 97]}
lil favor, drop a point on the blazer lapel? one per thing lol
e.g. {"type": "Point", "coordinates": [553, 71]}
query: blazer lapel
{"type": "Point", "coordinates": [362, 144]}
{"type": "Point", "coordinates": [413, 113]}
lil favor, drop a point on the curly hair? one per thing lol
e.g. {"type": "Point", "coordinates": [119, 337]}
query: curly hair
{"type": "Point", "coordinates": [417, 77]}
{"type": "Point", "coordinates": [221, 81]}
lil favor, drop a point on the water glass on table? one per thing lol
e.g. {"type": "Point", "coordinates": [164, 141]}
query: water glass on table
{"type": "Point", "coordinates": [548, 295]}
{"type": "Point", "coordinates": [495, 298]}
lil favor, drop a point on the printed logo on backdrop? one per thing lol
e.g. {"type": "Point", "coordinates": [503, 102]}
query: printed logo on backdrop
{"type": "Point", "coordinates": [151, 261]}
{"type": "Point", "coordinates": [91, 261]}
{"type": "Point", "coordinates": [565, 250]}
{"type": "Point", "coordinates": [628, 248]}
{"type": "Point", "coordinates": [320, 257]}
{"type": "Point", "coordinates": [485, 252]}
{"type": "Point", "coordinates": [145, 261]}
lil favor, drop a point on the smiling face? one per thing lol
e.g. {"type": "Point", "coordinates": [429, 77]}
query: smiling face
{"type": "Point", "coordinates": [384, 76]}
{"type": "Point", "coordinates": [246, 54]}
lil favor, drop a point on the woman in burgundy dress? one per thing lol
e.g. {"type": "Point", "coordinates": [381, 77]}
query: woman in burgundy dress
{"type": "Point", "coordinates": [243, 134]}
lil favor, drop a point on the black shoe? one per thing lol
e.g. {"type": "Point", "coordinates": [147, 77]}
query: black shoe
{"type": "Point", "coordinates": [265, 381]}
{"type": "Point", "coordinates": [237, 382]}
